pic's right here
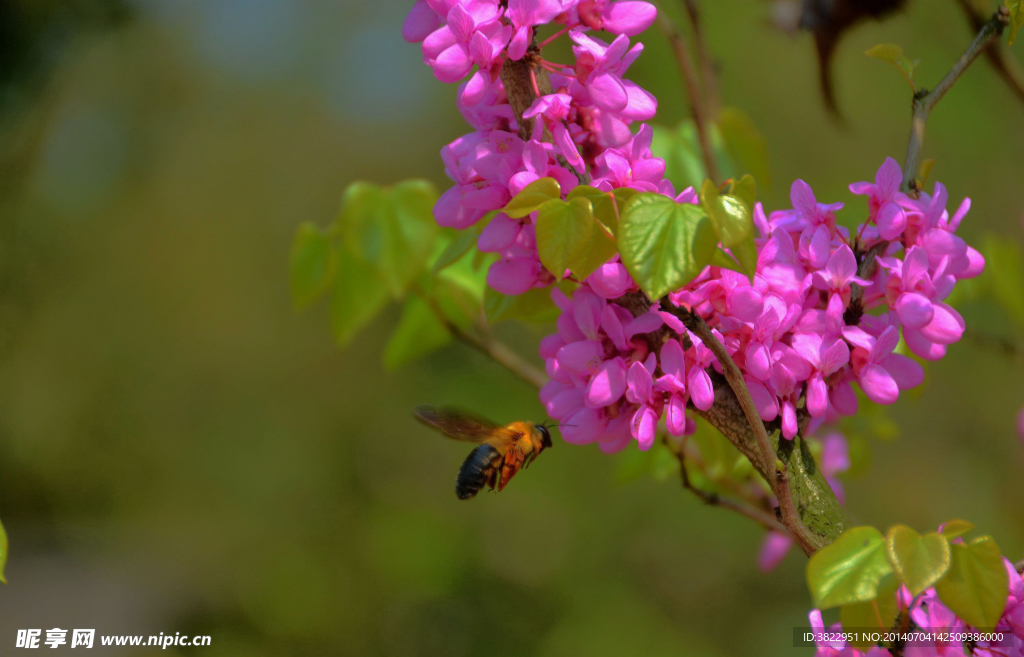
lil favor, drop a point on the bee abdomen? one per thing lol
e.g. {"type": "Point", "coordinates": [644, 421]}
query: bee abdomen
{"type": "Point", "coordinates": [476, 470]}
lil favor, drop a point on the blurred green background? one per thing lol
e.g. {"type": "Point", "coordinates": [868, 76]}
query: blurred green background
{"type": "Point", "coordinates": [181, 452]}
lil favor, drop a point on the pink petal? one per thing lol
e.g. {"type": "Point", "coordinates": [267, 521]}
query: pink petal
{"type": "Point", "coordinates": [789, 424]}
{"type": "Point", "coordinates": [819, 248]}
{"type": "Point", "coordinates": [891, 221]}
{"type": "Point", "coordinates": [521, 40]}
{"type": "Point", "coordinates": [766, 403]}
{"type": "Point", "coordinates": [608, 384]}
{"type": "Point", "coordinates": [641, 105]}
{"type": "Point", "coordinates": [817, 396]}
{"type": "Point", "coordinates": [419, 23]}
{"type": "Point", "coordinates": [946, 327]}
{"type": "Point", "coordinates": [583, 357]}
{"type": "Point", "coordinates": [843, 398]}
{"type": "Point", "coordinates": [607, 92]}
{"type": "Point", "coordinates": [672, 361]}
{"type": "Point", "coordinates": [701, 391]}
{"type": "Point", "coordinates": [514, 276]}
{"type": "Point", "coordinates": [583, 427]}
{"type": "Point", "coordinates": [628, 17]}
{"type": "Point", "coordinates": [773, 550]}
{"type": "Point", "coordinates": [921, 346]}
{"type": "Point", "coordinates": [645, 427]}
{"type": "Point", "coordinates": [499, 234]}
{"type": "Point", "coordinates": [906, 372]}
{"type": "Point", "coordinates": [453, 64]}
{"type": "Point", "coordinates": [610, 280]}
{"type": "Point", "coordinates": [639, 384]}
{"type": "Point", "coordinates": [915, 310]}
{"type": "Point", "coordinates": [889, 178]}
{"type": "Point", "coordinates": [675, 415]}
{"type": "Point", "coordinates": [878, 384]}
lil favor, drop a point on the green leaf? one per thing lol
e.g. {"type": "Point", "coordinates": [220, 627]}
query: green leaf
{"type": "Point", "coordinates": [563, 233]}
{"type": "Point", "coordinates": [725, 261]}
{"type": "Point", "coordinates": [601, 247]}
{"type": "Point", "coordinates": [418, 333]}
{"type": "Point", "coordinates": [532, 197]}
{"type": "Point", "coordinates": [919, 561]}
{"type": "Point", "coordinates": [875, 615]}
{"type": "Point", "coordinates": [890, 52]}
{"type": "Point", "coordinates": [664, 244]}
{"type": "Point", "coordinates": [1016, 8]}
{"type": "Point", "coordinates": [976, 586]}
{"type": "Point", "coordinates": [529, 305]}
{"type": "Point", "coordinates": [745, 189]}
{"type": "Point", "coordinates": [729, 215]}
{"type": "Point", "coordinates": [745, 142]}
{"type": "Point", "coordinates": [311, 264]}
{"type": "Point", "coordinates": [746, 253]}
{"type": "Point", "coordinates": [459, 246]}
{"type": "Point", "coordinates": [393, 230]}
{"type": "Point", "coordinates": [1004, 273]}
{"type": "Point", "coordinates": [849, 570]}
{"type": "Point", "coordinates": [956, 528]}
{"type": "Point", "coordinates": [3, 552]}
{"type": "Point", "coordinates": [357, 297]}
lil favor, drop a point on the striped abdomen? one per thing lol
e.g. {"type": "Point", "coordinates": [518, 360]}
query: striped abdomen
{"type": "Point", "coordinates": [476, 470]}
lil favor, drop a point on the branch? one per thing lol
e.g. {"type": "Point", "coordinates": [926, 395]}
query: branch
{"type": "Point", "coordinates": [773, 469]}
{"type": "Point", "coordinates": [714, 499]}
{"type": "Point", "coordinates": [708, 76]}
{"type": "Point", "coordinates": [494, 349]}
{"type": "Point", "coordinates": [998, 55]}
{"type": "Point", "coordinates": [686, 67]}
{"type": "Point", "coordinates": [925, 101]}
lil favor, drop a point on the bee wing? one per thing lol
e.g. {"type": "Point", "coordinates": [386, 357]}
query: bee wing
{"type": "Point", "coordinates": [462, 425]}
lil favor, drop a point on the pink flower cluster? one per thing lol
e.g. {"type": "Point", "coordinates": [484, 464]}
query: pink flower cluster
{"type": "Point", "coordinates": [928, 613]}
{"type": "Point", "coordinates": [796, 331]}
{"type": "Point", "coordinates": [581, 128]}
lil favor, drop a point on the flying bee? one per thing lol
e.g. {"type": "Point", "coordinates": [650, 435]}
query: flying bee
{"type": "Point", "coordinates": [502, 450]}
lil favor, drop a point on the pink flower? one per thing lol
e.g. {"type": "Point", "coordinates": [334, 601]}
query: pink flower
{"type": "Point", "coordinates": [628, 17]}
{"type": "Point", "coordinates": [524, 14]}
{"type": "Point", "coordinates": [826, 356]}
{"type": "Point", "coordinates": [882, 373]}
{"type": "Point", "coordinates": [885, 199]}
{"type": "Point", "coordinates": [640, 390]}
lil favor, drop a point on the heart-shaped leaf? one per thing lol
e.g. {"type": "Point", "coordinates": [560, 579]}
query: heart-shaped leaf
{"type": "Point", "coordinates": [729, 215]}
{"type": "Point", "coordinates": [877, 615]}
{"type": "Point", "coordinates": [664, 244]}
{"type": "Point", "coordinates": [312, 264]}
{"type": "Point", "coordinates": [919, 561]}
{"type": "Point", "coordinates": [976, 586]}
{"type": "Point", "coordinates": [955, 528]}
{"type": "Point", "coordinates": [564, 231]}
{"type": "Point", "coordinates": [849, 570]}
{"type": "Point", "coordinates": [532, 197]}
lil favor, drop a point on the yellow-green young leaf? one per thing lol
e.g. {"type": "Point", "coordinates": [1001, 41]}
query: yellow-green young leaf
{"type": "Point", "coordinates": [919, 561]}
{"type": "Point", "coordinates": [955, 528]}
{"type": "Point", "coordinates": [532, 197]}
{"type": "Point", "coordinates": [1016, 8]}
{"type": "Point", "coordinates": [924, 172]}
{"type": "Point", "coordinates": [745, 189]}
{"type": "Point", "coordinates": [876, 615]}
{"type": "Point", "coordinates": [601, 246]}
{"type": "Point", "coordinates": [725, 261]}
{"type": "Point", "coordinates": [531, 305]}
{"type": "Point", "coordinates": [890, 52]}
{"type": "Point", "coordinates": [564, 230]}
{"type": "Point", "coordinates": [418, 333]}
{"type": "Point", "coordinates": [3, 552]}
{"type": "Point", "coordinates": [976, 586]}
{"type": "Point", "coordinates": [849, 570]}
{"type": "Point", "coordinates": [393, 230]}
{"type": "Point", "coordinates": [664, 244]}
{"type": "Point", "coordinates": [746, 254]}
{"type": "Point", "coordinates": [746, 144]}
{"type": "Point", "coordinates": [729, 215]}
{"type": "Point", "coordinates": [357, 297]}
{"type": "Point", "coordinates": [311, 264]}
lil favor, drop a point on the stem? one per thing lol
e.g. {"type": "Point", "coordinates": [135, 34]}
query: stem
{"type": "Point", "coordinates": [708, 76]}
{"type": "Point", "coordinates": [998, 54]}
{"type": "Point", "coordinates": [714, 499]}
{"type": "Point", "coordinates": [489, 346]}
{"type": "Point", "coordinates": [774, 469]}
{"type": "Point", "coordinates": [924, 102]}
{"type": "Point", "coordinates": [686, 67]}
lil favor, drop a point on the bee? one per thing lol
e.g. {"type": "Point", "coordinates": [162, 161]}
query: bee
{"type": "Point", "coordinates": [502, 450]}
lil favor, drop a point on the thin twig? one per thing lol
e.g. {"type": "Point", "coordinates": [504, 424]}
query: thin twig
{"type": "Point", "coordinates": [496, 350]}
{"type": "Point", "coordinates": [998, 54]}
{"type": "Point", "coordinates": [770, 461]}
{"type": "Point", "coordinates": [697, 108]}
{"type": "Point", "coordinates": [925, 101]}
{"type": "Point", "coordinates": [708, 75]}
{"type": "Point", "coordinates": [762, 518]}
